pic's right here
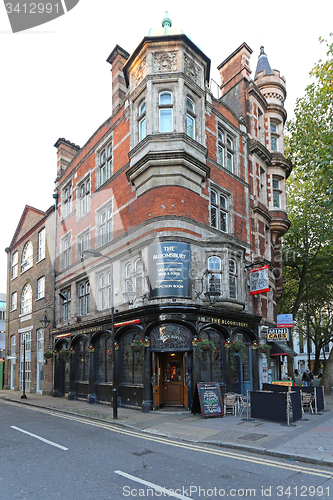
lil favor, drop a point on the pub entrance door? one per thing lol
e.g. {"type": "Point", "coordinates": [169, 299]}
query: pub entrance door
{"type": "Point", "coordinates": [169, 381]}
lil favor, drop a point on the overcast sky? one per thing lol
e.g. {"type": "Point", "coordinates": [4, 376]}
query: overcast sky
{"type": "Point", "coordinates": [55, 81]}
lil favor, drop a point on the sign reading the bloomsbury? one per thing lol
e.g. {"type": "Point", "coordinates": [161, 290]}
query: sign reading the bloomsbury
{"type": "Point", "coordinates": [169, 269]}
{"type": "Point", "coordinates": [259, 280]}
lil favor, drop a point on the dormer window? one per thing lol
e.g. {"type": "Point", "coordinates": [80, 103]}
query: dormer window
{"type": "Point", "coordinates": [165, 112]}
{"type": "Point", "coordinates": [190, 118]}
{"type": "Point", "coordinates": [142, 121]}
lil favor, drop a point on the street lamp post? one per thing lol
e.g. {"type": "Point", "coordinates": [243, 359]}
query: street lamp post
{"type": "Point", "coordinates": [95, 253]}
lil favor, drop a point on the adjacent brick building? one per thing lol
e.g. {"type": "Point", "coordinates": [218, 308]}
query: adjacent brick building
{"type": "Point", "coordinates": [184, 192]}
{"type": "Point", "coordinates": [30, 295]}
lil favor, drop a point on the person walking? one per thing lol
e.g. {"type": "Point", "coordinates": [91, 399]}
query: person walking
{"type": "Point", "coordinates": [306, 378]}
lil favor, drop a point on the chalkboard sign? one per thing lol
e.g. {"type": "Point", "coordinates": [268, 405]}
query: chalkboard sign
{"type": "Point", "coordinates": [207, 399]}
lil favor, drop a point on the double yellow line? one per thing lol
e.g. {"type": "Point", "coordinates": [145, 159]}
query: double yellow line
{"type": "Point", "coordinates": [202, 448]}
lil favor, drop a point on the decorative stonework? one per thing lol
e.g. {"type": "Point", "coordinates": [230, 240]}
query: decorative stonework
{"type": "Point", "coordinates": [164, 61]}
{"type": "Point", "coordinates": [191, 69]}
{"type": "Point", "coordinates": [140, 72]}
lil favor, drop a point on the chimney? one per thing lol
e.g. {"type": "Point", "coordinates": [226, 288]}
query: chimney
{"type": "Point", "coordinates": [117, 59]}
{"type": "Point", "coordinates": [235, 68]}
{"type": "Point", "coordinates": [66, 151]}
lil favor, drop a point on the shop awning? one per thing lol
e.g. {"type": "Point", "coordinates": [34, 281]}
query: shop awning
{"type": "Point", "coordinates": [281, 349]}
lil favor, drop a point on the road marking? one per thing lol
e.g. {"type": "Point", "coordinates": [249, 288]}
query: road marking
{"type": "Point", "coordinates": [189, 446]}
{"type": "Point", "coordinates": [40, 438]}
{"type": "Point", "coordinates": [156, 487]}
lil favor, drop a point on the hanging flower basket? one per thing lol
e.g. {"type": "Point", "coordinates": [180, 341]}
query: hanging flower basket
{"type": "Point", "coordinates": [264, 349]}
{"type": "Point", "coordinates": [137, 346]}
{"type": "Point", "coordinates": [65, 354]}
{"type": "Point", "coordinates": [48, 354]}
{"type": "Point", "coordinates": [204, 346]}
{"type": "Point", "coordinates": [91, 348]}
{"type": "Point", "coordinates": [237, 347]}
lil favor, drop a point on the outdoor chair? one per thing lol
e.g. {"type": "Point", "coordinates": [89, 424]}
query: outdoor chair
{"type": "Point", "coordinates": [230, 404]}
{"type": "Point", "coordinates": [307, 401]}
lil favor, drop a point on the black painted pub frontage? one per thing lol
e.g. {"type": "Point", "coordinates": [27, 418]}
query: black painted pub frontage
{"type": "Point", "coordinates": [157, 362]}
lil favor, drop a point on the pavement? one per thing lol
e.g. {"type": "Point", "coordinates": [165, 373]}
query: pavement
{"type": "Point", "coordinates": [308, 440]}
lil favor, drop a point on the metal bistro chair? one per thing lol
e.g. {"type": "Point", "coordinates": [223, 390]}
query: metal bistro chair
{"type": "Point", "coordinates": [230, 404]}
{"type": "Point", "coordinates": [307, 401]}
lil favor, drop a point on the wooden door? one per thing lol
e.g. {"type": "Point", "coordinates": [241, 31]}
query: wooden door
{"type": "Point", "coordinates": [185, 379]}
{"type": "Point", "coordinates": [173, 380]}
{"type": "Point", "coordinates": [156, 380]}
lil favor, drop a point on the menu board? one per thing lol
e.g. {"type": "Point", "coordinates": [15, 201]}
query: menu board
{"type": "Point", "coordinates": [207, 398]}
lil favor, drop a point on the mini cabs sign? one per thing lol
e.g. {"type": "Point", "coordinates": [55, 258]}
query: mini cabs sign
{"type": "Point", "coordinates": [274, 334]}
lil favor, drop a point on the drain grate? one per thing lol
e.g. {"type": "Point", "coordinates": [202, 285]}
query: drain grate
{"type": "Point", "coordinates": [141, 453]}
{"type": "Point", "coordinates": [252, 437]}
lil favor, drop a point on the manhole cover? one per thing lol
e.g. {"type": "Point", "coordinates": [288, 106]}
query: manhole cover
{"type": "Point", "coordinates": [252, 437]}
{"type": "Point", "coordinates": [141, 453]}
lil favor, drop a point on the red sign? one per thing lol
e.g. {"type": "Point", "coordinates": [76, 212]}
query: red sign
{"type": "Point", "coordinates": [259, 282]}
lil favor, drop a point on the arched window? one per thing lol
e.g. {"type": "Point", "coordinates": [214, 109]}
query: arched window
{"type": "Point", "coordinates": [190, 118]}
{"type": "Point", "coordinates": [165, 112]}
{"type": "Point", "coordinates": [142, 121]}
{"type": "Point", "coordinates": [215, 265]}
{"type": "Point", "coordinates": [104, 359]}
{"type": "Point", "coordinates": [82, 360]}
{"type": "Point", "coordinates": [26, 299]}
{"type": "Point", "coordinates": [131, 362]}
{"type": "Point", "coordinates": [27, 257]}
{"type": "Point", "coordinates": [211, 362]}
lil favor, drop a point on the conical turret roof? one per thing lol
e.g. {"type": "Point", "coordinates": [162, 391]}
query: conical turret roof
{"type": "Point", "coordinates": [263, 63]}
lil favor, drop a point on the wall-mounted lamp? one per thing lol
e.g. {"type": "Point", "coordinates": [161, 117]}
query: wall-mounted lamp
{"type": "Point", "coordinates": [212, 294]}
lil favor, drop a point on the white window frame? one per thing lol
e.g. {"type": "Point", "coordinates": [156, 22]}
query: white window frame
{"type": "Point", "coordinates": [190, 116]}
{"type": "Point", "coordinates": [67, 196]}
{"type": "Point", "coordinates": [66, 304]}
{"type": "Point", "coordinates": [27, 257]}
{"type": "Point", "coordinates": [26, 299]}
{"type": "Point", "coordinates": [142, 119]}
{"type": "Point", "coordinates": [66, 250]}
{"type": "Point", "coordinates": [214, 265]}
{"type": "Point", "coordinates": [41, 244]}
{"type": "Point", "coordinates": [274, 131]}
{"type": "Point", "coordinates": [165, 107]}
{"type": "Point", "coordinates": [84, 189]}
{"type": "Point", "coordinates": [84, 243]}
{"type": "Point", "coordinates": [41, 287]}
{"type": "Point", "coordinates": [14, 265]}
{"type": "Point", "coordinates": [219, 211]}
{"type": "Point", "coordinates": [105, 163]}
{"type": "Point", "coordinates": [277, 192]}
{"type": "Point", "coordinates": [84, 298]}
{"type": "Point", "coordinates": [13, 301]}
{"type": "Point", "coordinates": [225, 150]}
{"type": "Point", "coordinates": [104, 221]}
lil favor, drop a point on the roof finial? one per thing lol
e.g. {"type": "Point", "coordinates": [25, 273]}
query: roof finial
{"type": "Point", "coordinates": [166, 23]}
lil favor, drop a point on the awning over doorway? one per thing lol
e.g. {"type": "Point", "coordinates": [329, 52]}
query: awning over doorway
{"type": "Point", "coordinates": [281, 349]}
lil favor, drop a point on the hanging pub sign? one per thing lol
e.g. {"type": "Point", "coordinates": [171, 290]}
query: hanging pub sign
{"type": "Point", "coordinates": [169, 269]}
{"type": "Point", "coordinates": [259, 282]}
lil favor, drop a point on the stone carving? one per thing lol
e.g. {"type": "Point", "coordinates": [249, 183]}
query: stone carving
{"type": "Point", "coordinates": [140, 72]}
{"type": "Point", "coordinates": [164, 61]}
{"type": "Point", "coordinates": [191, 69]}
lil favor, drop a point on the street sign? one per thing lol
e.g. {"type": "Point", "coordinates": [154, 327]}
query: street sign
{"type": "Point", "coordinates": [285, 321]}
{"type": "Point", "coordinates": [277, 334]}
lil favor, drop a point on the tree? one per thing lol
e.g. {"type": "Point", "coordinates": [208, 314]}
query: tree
{"type": "Point", "coordinates": [308, 245]}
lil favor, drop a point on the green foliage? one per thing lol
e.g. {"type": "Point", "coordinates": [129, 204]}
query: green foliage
{"type": "Point", "coordinates": [237, 347]}
{"type": "Point", "coordinates": [199, 348]}
{"type": "Point", "coordinates": [308, 245]}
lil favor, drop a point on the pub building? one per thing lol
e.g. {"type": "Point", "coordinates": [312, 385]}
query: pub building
{"type": "Point", "coordinates": [168, 228]}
